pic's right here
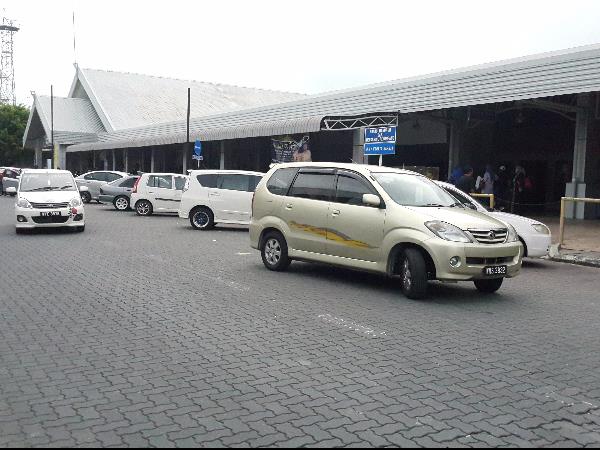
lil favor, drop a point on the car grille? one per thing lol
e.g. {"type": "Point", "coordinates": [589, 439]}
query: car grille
{"type": "Point", "coordinates": [49, 205]}
{"type": "Point", "coordinates": [488, 261]}
{"type": "Point", "coordinates": [490, 236]}
{"type": "Point", "coordinates": [52, 219]}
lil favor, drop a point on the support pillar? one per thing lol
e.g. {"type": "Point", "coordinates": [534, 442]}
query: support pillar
{"type": "Point", "coordinates": [114, 160]}
{"type": "Point", "coordinates": [186, 148]}
{"type": "Point", "coordinates": [152, 160]}
{"type": "Point", "coordinates": [358, 147]}
{"type": "Point", "coordinates": [38, 158]}
{"type": "Point", "coordinates": [577, 187]}
{"type": "Point", "coordinates": [454, 147]}
{"type": "Point", "coordinates": [126, 159]}
{"type": "Point", "coordinates": [222, 160]}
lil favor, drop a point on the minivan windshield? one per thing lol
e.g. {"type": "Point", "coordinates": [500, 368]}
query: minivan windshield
{"type": "Point", "coordinates": [414, 190]}
{"type": "Point", "coordinates": [44, 182]}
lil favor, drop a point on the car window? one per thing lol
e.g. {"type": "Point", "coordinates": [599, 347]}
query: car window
{"type": "Point", "coordinates": [110, 177]}
{"type": "Point", "coordinates": [254, 180]}
{"type": "Point", "coordinates": [160, 181]}
{"type": "Point", "coordinates": [233, 182]}
{"type": "Point", "coordinates": [209, 180]}
{"type": "Point", "coordinates": [350, 190]}
{"type": "Point", "coordinates": [128, 183]}
{"type": "Point", "coordinates": [280, 181]}
{"type": "Point", "coordinates": [315, 186]}
{"type": "Point", "coordinates": [461, 198]}
{"type": "Point", "coordinates": [92, 177]}
{"type": "Point", "coordinates": [180, 183]}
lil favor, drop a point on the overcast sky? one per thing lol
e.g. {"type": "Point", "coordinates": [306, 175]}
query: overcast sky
{"type": "Point", "coordinates": [302, 46]}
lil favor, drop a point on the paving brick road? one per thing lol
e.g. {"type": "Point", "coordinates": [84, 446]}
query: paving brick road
{"type": "Point", "coordinates": [142, 332]}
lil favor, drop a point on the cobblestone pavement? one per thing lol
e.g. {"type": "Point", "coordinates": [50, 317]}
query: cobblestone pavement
{"type": "Point", "coordinates": [142, 332]}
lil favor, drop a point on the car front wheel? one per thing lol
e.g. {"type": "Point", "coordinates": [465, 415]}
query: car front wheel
{"type": "Point", "coordinates": [274, 251]}
{"type": "Point", "coordinates": [202, 219]}
{"type": "Point", "coordinates": [413, 274]}
{"type": "Point", "coordinates": [143, 208]}
{"type": "Point", "coordinates": [86, 197]}
{"type": "Point", "coordinates": [489, 286]}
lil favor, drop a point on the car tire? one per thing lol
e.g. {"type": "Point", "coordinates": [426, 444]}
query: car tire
{"type": "Point", "coordinates": [121, 203]}
{"type": "Point", "coordinates": [202, 219]}
{"type": "Point", "coordinates": [143, 208]}
{"type": "Point", "coordinates": [86, 197]}
{"type": "Point", "coordinates": [274, 252]}
{"type": "Point", "coordinates": [489, 286]}
{"type": "Point", "coordinates": [413, 274]}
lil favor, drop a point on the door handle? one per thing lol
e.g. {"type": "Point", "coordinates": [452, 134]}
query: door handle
{"type": "Point", "coordinates": [335, 213]}
{"type": "Point", "coordinates": [289, 206]}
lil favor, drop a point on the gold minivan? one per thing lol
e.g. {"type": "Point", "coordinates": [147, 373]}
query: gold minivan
{"type": "Point", "coordinates": [378, 219]}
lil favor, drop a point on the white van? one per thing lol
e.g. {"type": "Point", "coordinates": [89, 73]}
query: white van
{"type": "Point", "coordinates": [157, 193]}
{"type": "Point", "coordinates": [219, 196]}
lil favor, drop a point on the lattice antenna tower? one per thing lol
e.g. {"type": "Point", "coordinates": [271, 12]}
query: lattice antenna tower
{"type": "Point", "coordinates": [7, 67]}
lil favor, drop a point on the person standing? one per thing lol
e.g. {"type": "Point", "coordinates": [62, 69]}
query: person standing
{"type": "Point", "coordinates": [489, 180]}
{"type": "Point", "coordinates": [456, 174]}
{"type": "Point", "coordinates": [467, 182]}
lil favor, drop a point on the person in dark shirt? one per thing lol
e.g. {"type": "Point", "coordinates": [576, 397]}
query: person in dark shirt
{"type": "Point", "coordinates": [467, 182]}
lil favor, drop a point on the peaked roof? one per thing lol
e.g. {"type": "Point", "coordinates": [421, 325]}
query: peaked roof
{"type": "Point", "coordinates": [129, 100]}
{"type": "Point", "coordinates": [569, 71]}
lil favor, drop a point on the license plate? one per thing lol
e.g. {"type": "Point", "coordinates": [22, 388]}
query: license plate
{"type": "Point", "coordinates": [50, 214]}
{"type": "Point", "coordinates": [496, 270]}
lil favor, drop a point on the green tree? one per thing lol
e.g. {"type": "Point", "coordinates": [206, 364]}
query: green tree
{"type": "Point", "coordinates": [13, 121]}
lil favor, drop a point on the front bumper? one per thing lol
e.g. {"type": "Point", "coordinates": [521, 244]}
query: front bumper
{"type": "Point", "coordinates": [27, 218]}
{"type": "Point", "coordinates": [474, 259]}
{"type": "Point", "coordinates": [538, 245]}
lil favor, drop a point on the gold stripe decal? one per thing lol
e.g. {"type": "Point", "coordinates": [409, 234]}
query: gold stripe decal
{"type": "Point", "coordinates": [330, 235]}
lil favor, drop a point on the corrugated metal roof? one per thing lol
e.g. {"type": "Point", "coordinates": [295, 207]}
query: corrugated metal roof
{"type": "Point", "coordinates": [558, 73]}
{"type": "Point", "coordinates": [129, 100]}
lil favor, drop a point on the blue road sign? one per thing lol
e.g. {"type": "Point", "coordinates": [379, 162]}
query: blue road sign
{"type": "Point", "coordinates": [198, 151]}
{"type": "Point", "coordinates": [380, 134]}
{"type": "Point", "coordinates": [380, 148]}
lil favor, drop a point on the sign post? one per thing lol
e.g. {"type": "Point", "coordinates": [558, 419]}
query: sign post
{"type": "Point", "coordinates": [380, 141]}
{"type": "Point", "coordinates": [198, 152]}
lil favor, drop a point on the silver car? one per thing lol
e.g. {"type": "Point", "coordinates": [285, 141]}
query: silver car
{"type": "Point", "coordinates": [94, 180]}
{"type": "Point", "coordinates": [9, 177]}
{"type": "Point", "coordinates": [118, 192]}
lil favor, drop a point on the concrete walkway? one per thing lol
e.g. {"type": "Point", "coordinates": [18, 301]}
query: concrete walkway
{"type": "Point", "coordinates": [582, 241]}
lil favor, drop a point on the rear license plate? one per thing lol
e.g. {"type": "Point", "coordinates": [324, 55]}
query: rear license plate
{"type": "Point", "coordinates": [50, 214]}
{"type": "Point", "coordinates": [496, 270]}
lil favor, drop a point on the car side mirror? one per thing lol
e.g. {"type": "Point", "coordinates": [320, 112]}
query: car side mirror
{"type": "Point", "coordinates": [83, 189]}
{"type": "Point", "coordinates": [11, 191]}
{"type": "Point", "coordinates": [371, 200]}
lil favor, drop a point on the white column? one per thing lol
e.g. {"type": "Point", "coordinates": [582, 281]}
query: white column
{"type": "Point", "coordinates": [222, 162]}
{"type": "Point", "coordinates": [577, 188]}
{"type": "Point", "coordinates": [358, 147]}
{"type": "Point", "coordinates": [105, 154]}
{"type": "Point", "coordinates": [38, 158]}
{"type": "Point", "coordinates": [114, 160]}
{"type": "Point", "coordinates": [126, 159]}
{"type": "Point", "coordinates": [152, 160]}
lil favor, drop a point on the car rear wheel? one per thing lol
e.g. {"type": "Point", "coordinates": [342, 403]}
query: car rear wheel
{"type": "Point", "coordinates": [274, 251]}
{"type": "Point", "coordinates": [489, 286]}
{"type": "Point", "coordinates": [143, 208]}
{"type": "Point", "coordinates": [202, 219]}
{"type": "Point", "coordinates": [86, 197]}
{"type": "Point", "coordinates": [413, 274]}
{"type": "Point", "coordinates": [121, 203]}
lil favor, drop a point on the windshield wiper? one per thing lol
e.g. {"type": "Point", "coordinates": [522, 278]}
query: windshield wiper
{"type": "Point", "coordinates": [433, 205]}
{"type": "Point", "coordinates": [40, 189]}
{"type": "Point", "coordinates": [67, 187]}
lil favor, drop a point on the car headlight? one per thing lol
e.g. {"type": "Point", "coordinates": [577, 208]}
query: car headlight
{"type": "Point", "coordinates": [448, 232]}
{"type": "Point", "coordinates": [24, 203]}
{"type": "Point", "coordinates": [75, 202]}
{"type": "Point", "coordinates": [540, 228]}
{"type": "Point", "coordinates": [512, 234]}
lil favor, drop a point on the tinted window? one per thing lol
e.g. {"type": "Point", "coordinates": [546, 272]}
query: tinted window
{"type": "Point", "coordinates": [209, 181]}
{"type": "Point", "coordinates": [460, 197]}
{"type": "Point", "coordinates": [280, 181]}
{"type": "Point", "coordinates": [110, 177]}
{"type": "Point", "coordinates": [233, 182]}
{"type": "Point", "coordinates": [180, 183]}
{"type": "Point", "coordinates": [92, 177]}
{"type": "Point", "coordinates": [253, 183]}
{"type": "Point", "coordinates": [128, 183]}
{"type": "Point", "coordinates": [160, 181]}
{"type": "Point", "coordinates": [316, 186]}
{"type": "Point", "coordinates": [350, 190]}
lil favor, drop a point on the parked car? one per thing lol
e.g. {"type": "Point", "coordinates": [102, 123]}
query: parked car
{"type": "Point", "coordinates": [118, 193]}
{"type": "Point", "coordinates": [158, 193]}
{"type": "Point", "coordinates": [9, 177]}
{"type": "Point", "coordinates": [94, 180]}
{"type": "Point", "coordinates": [379, 219]}
{"type": "Point", "coordinates": [534, 235]}
{"type": "Point", "coordinates": [48, 198]}
{"type": "Point", "coordinates": [218, 196]}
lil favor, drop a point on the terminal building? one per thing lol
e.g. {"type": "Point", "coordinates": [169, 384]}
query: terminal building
{"type": "Point", "coordinates": [539, 112]}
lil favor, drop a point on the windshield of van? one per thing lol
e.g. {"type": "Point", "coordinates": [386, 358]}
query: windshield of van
{"type": "Point", "coordinates": [40, 182]}
{"type": "Point", "coordinates": [414, 190]}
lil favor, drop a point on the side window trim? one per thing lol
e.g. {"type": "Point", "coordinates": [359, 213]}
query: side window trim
{"type": "Point", "coordinates": [358, 177]}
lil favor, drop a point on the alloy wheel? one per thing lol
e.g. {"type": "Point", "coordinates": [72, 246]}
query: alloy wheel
{"type": "Point", "coordinates": [201, 219]}
{"type": "Point", "coordinates": [122, 204]}
{"type": "Point", "coordinates": [273, 251]}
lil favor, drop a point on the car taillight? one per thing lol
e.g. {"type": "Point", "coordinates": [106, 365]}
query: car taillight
{"type": "Point", "coordinates": [135, 186]}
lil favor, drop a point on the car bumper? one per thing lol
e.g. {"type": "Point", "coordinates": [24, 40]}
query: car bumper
{"type": "Point", "coordinates": [26, 218]}
{"type": "Point", "coordinates": [108, 199]}
{"type": "Point", "coordinates": [474, 259]}
{"type": "Point", "coordinates": [538, 245]}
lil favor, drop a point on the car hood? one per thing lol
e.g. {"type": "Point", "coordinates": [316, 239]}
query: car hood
{"type": "Point", "coordinates": [465, 219]}
{"type": "Point", "coordinates": [513, 218]}
{"type": "Point", "coordinates": [49, 197]}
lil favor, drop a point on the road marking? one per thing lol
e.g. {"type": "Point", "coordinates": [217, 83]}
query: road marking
{"type": "Point", "coordinates": [351, 325]}
{"type": "Point", "coordinates": [243, 254]}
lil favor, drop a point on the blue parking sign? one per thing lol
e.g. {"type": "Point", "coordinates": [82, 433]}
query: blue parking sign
{"type": "Point", "coordinates": [198, 151]}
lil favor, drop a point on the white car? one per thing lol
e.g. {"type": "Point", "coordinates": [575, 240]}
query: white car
{"type": "Point", "coordinates": [219, 196]}
{"type": "Point", "coordinates": [157, 193]}
{"type": "Point", "coordinates": [95, 180]}
{"type": "Point", "coordinates": [535, 236]}
{"type": "Point", "coordinates": [48, 199]}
